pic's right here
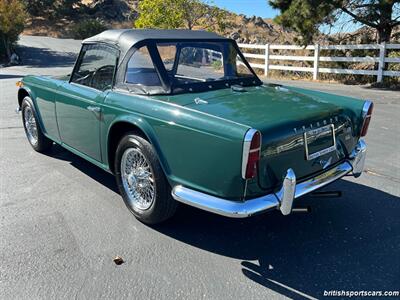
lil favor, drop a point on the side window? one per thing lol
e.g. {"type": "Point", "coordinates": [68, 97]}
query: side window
{"type": "Point", "coordinates": [141, 70]}
{"type": "Point", "coordinates": [96, 67]}
{"type": "Point", "coordinates": [200, 64]}
{"type": "Point", "coordinates": [241, 69]}
{"type": "Point", "coordinates": [167, 54]}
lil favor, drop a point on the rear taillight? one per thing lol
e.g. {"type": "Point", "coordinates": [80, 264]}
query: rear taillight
{"type": "Point", "coordinates": [367, 112]}
{"type": "Point", "coordinates": [251, 153]}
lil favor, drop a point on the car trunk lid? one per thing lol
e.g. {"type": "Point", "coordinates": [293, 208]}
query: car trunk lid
{"type": "Point", "coordinates": [282, 116]}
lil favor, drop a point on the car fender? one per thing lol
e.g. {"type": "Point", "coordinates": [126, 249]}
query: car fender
{"type": "Point", "coordinates": [33, 103]}
{"type": "Point", "coordinates": [147, 129]}
{"type": "Point", "coordinates": [29, 91]}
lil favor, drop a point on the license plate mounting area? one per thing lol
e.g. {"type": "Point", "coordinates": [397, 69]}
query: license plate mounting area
{"type": "Point", "coordinates": [319, 141]}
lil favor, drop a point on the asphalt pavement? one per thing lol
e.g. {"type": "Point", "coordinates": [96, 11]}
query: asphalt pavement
{"type": "Point", "coordinates": [62, 221]}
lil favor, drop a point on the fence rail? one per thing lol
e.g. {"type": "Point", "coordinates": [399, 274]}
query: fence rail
{"type": "Point", "coordinates": [381, 60]}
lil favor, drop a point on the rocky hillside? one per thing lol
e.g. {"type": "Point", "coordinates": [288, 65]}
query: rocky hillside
{"type": "Point", "coordinates": [256, 30]}
{"type": "Point", "coordinates": [122, 14]}
{"type": "Point", "coordinates": [241, 28]}
{"type": "Point", "coordinates": [364, 35]}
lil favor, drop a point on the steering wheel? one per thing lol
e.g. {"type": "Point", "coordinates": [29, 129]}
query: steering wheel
{"type": "Point", "coordinates": [82, 78]}
{"type": "Point", "coordinates": [97, 71]}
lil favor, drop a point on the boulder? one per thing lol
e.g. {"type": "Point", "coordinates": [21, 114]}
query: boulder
{"type": "Point", "coordinates": [235, 35]}
{"type": "Point", "coordinates": [259, 21]}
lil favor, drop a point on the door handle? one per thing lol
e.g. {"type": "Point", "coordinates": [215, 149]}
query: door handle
{"type": "Point", "coordinates": [95, 109]}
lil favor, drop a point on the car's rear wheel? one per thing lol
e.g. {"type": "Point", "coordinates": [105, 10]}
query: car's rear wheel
{"type": "Point", "coordinates": [33, 131]}
{"type": "Point", "coordinates": [142, 182]}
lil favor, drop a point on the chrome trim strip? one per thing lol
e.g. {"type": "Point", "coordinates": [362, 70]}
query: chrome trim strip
{"type": "Point", "coordinates": [282, 200]}
{"type": "Point", "coordinates": [323, 179]}
{"type": "Point", "coordinates": [246, 149]}
{"type": "Point", "coordinates": [95, 109]}
{"type": "Point", "coordinates": [365, 108]}
{"type": "Point", "coordinates": [233, 209]}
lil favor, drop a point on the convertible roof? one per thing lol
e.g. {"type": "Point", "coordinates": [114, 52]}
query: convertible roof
{"type": "Point", "coordinates": [126, 38]}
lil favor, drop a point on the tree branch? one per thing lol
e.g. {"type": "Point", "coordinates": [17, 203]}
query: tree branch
{"type": "Point", "coordinates": [365, 5]}
{"type": "Point", "coordinates": [357, 18]}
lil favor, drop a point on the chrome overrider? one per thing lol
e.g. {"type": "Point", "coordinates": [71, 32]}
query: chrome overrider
{"type": "Point", "coordinates": [283, 199]}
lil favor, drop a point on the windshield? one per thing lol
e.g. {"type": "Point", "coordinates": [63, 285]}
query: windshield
{"type": "Point", "coordinates": [171, 67]}
{"type": "Point", "coordinates": [191, 62]}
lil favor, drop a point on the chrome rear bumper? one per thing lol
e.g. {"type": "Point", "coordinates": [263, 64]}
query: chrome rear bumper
{"type": "Point", "coordinates": [283, 199]}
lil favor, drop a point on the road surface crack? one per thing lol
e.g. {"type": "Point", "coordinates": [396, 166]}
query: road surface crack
{"type": "Point", "coordinates": [375, 173]}
{"type": "Point", "coordinates": [11, 127]}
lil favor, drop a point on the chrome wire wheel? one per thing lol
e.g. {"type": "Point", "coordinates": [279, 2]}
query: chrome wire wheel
{"type": "Point", "coordinates": [30, 125]}
{"type": "Point", "coordinates": [137, 179]}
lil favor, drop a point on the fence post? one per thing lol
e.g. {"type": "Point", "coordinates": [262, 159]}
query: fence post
{"type": "Point", "coordinates": [316, 61]}
{"type": "Point", "coordinates": [266, 63]}
{"type": "Point", "coordinates": [381, 65]}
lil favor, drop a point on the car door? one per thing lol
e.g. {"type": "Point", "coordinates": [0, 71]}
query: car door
{"type": "Point", "coordinates": [79, 101]}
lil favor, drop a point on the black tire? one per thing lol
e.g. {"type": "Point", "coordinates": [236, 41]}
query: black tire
{"type": "Point", "coordinates": [163, 206]}
{"type": "Point", "coordinates": [41, 143]}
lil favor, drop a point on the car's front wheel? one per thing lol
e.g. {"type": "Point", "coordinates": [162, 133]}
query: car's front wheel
{"type": "Point", "coordinates": [33, 131]}
{"type": "Point", "coordinates": [141, 180]}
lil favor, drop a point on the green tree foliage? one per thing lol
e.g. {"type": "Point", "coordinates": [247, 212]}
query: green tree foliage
{"type": "Point", "coordinates": [87, 28]}
{"type": "Point", "coordinates": [66, 8]}
{"type": "Point", "coordinates": [163, 14]}
{"type": "Point", "coordinates": [39, 7]}
{"type": "Point", "coordinates": [167, 14]}
{"type": "Point", "coordinates": [12, 19]}
{"type": "Point", "coordinates": [306, 16]}
{"type": "Point", "coordinates": [53, 8]}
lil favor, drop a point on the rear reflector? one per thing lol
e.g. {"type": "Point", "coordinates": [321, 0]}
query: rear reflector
{"type": "Point", "coordinates": [256, 141]}
{"type": "Point", "coordinates": [251, 153]}
{"type": "Point", "coordinates": [367, 113]}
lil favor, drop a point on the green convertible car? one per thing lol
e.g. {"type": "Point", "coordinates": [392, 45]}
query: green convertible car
{"type": "Point", "coordinates": [180, 116]}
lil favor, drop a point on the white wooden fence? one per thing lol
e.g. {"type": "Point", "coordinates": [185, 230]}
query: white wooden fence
{"type": "Point", "coordinates": [267, 56]}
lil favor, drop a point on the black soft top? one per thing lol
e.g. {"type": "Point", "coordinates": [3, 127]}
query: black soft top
{"type": "Point", "coordinates": [125, 39]}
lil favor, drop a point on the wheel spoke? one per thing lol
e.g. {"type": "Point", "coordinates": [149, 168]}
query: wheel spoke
{"type": "Point", "coordinates": [30, 125]}
{"type": "Point", "coordinates": [137, 179]}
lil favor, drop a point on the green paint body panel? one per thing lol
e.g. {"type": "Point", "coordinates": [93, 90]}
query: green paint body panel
{"type": "Point", "coordinates": [280, 113]}
{"type": "Point", "coordinates": [197, 150]}
{"type": "Point", "coordinates": [79, 127]}
{"type": "Point", "coordinates": [200, 145]}
{"type": "Point", "coordinates": [42, 90]}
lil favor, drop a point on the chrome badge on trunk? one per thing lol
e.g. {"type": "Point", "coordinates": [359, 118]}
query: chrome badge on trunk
{"type": "Point", "coordinates": [320, 141]}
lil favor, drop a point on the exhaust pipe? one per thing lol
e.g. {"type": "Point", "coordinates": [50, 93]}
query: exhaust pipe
{"type": "Point", "coordinates": [327, 194]}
